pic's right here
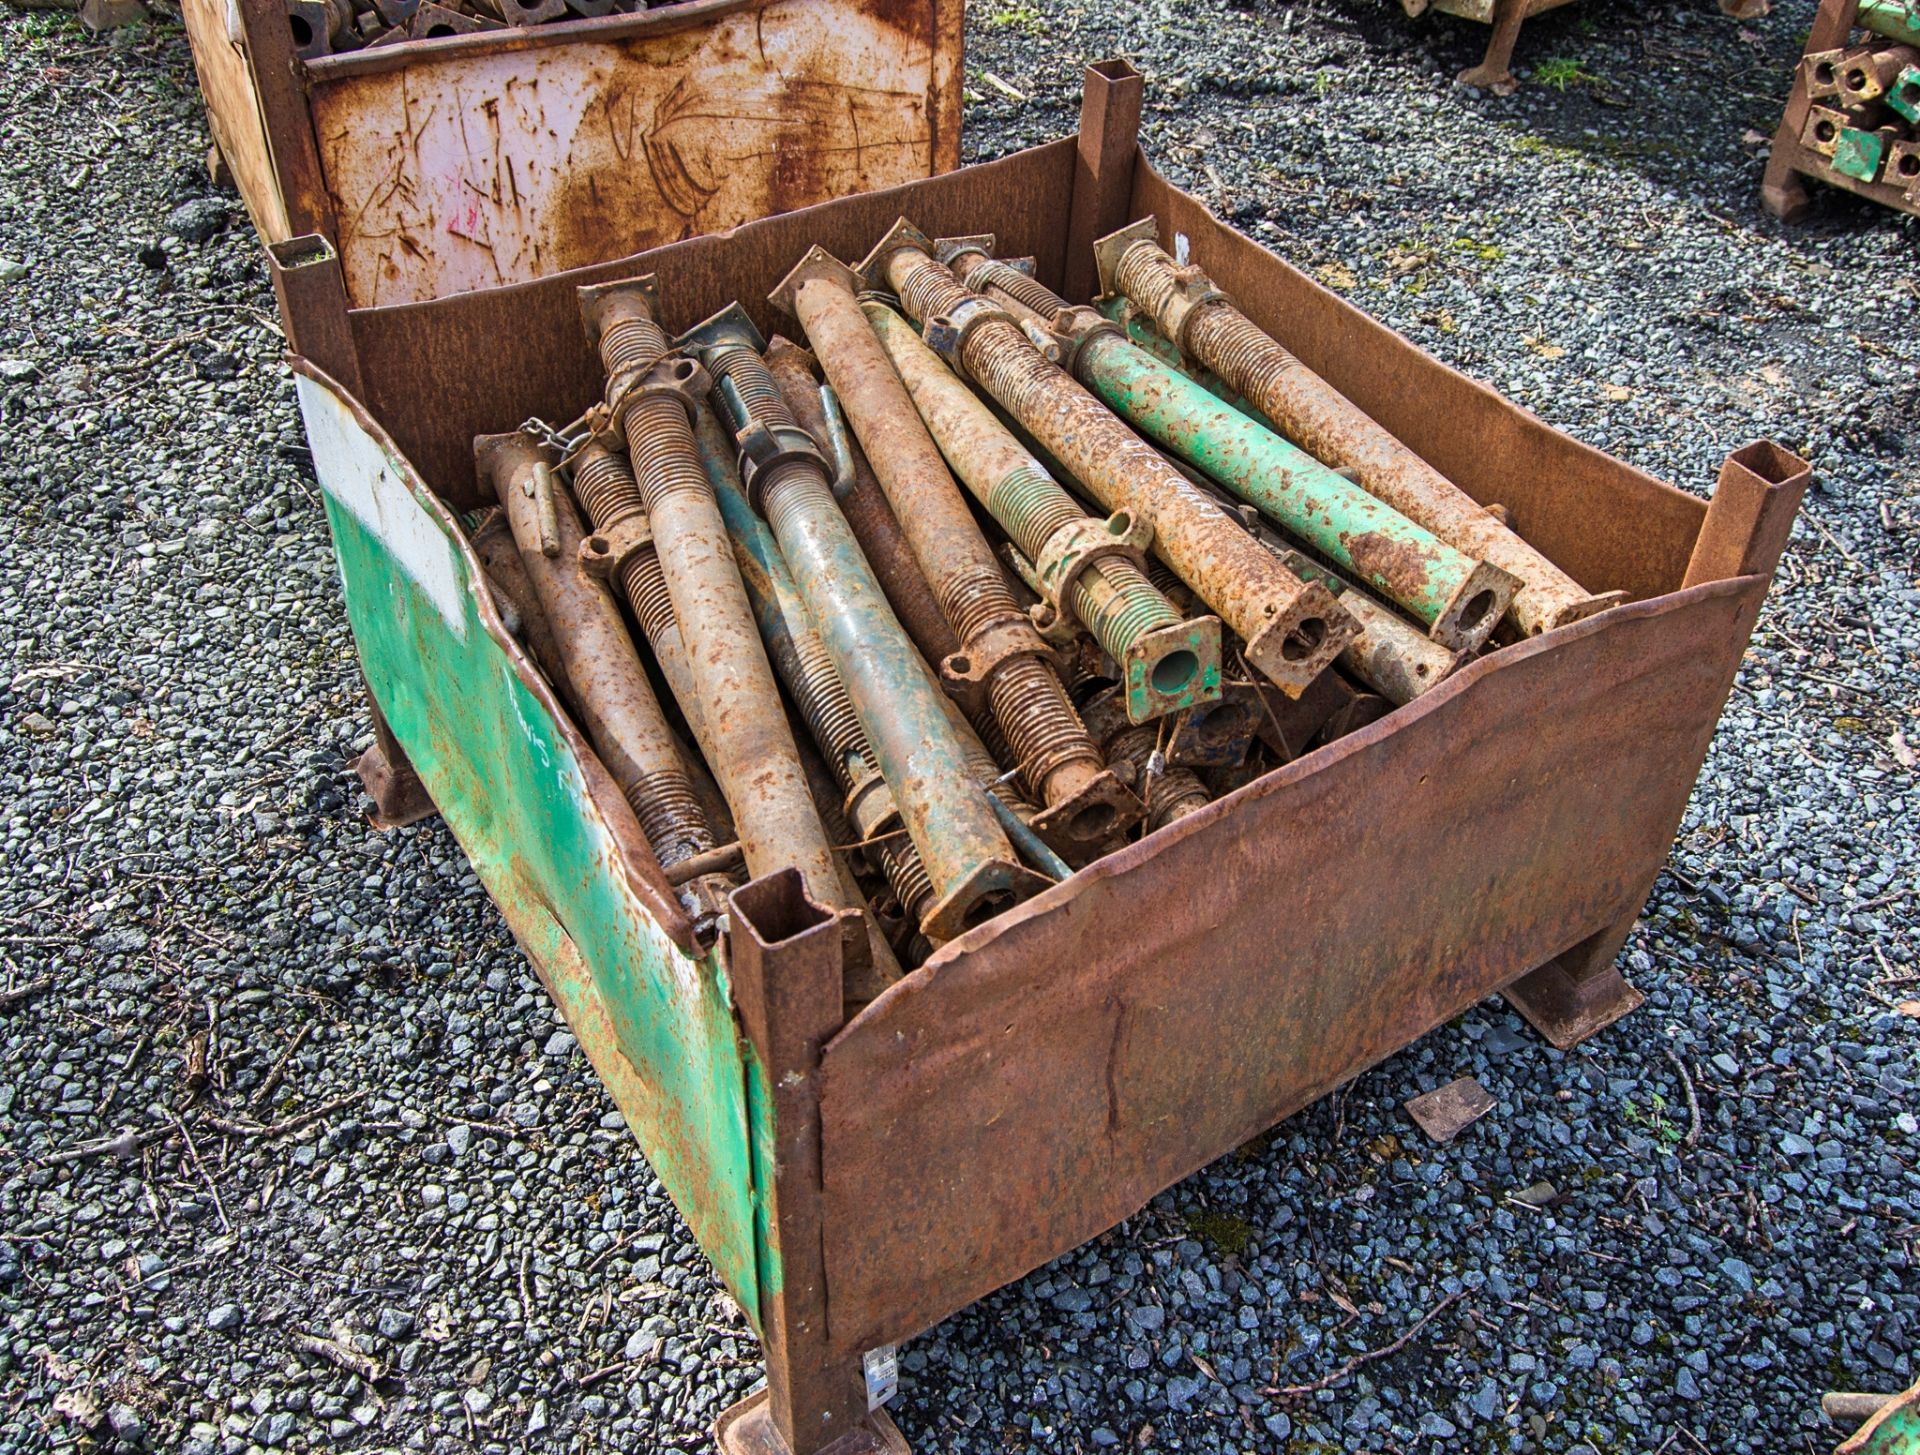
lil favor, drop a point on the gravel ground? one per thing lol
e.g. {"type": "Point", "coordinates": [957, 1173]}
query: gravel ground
{"type": "Point", "coordinates": [447, 1191]}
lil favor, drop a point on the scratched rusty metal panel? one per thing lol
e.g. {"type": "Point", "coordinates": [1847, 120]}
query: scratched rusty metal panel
{"type": "Point", "coordinates": [1046, 1075]}
{"type": "Point", "coordinates": [486, 165]}
{"type": "Point", "coordinates": [233, 113]}
{"type": "Point", "coordinates": [544, 827]}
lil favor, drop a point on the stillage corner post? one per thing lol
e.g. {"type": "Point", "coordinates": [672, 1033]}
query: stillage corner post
{"type": "Point", "coordinates": [784, 954]}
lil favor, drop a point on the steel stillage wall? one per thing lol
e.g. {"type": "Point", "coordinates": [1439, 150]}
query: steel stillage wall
{"type": "Point", "coordinates": [479, 167]}
{"type": "Point", "coordinates": [514, 781]}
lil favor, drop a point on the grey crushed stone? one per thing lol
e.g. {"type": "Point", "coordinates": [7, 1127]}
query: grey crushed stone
{"type": "Point", "coordinates": [187, 848]}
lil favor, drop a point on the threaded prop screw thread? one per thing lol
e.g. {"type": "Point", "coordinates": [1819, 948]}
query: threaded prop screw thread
{"type": "Point", "coordinates": [669, 815]}
{"type": "Point", "coordinates": [1045, 733]}
{"type": "Point", "coordinates": [1244, 356]}
{"type": "Point", "coordinates": [992, 273]}
{"type": "Point", "coordinates": [606, 487]}
{"type": "Point", "coordinates": [1173, 794]}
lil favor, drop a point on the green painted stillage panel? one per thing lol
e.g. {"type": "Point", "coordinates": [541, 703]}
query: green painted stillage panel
{"type": "Point", "coordinates": [658, 1025]}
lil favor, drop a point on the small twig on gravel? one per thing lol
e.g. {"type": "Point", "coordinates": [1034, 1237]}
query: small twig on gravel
{"type": "Point", "coordinates": [26, 992]}
{"type": "Point", "coordinates": [258, 1103]}
{"type": "Point", "coordinates": [342, 1355]}
{"type": "Point", "coordinates": [193, 1074]}
{"type": "Point", "coordinates": [1693, 1101]}
{"type": "Point", "coordinates": [1003, 88]}
{"type": "Point", "coordinates": [201, 1167]}
{"type": "Point", "coordinates": [166, 350]}
{"type": "Point", "coordinates": [607, 1252]}
{"type": "Point", "coordinates": [494, 1129]}
{"type": "Point", "coordinates": [643, 1361]}
{"type": "Point", "coordinates": [124, 1143]}
{"type": "Point", "coordinates": [1832, 540]}
{"type": "Point", "coordinates": [1360, 1361]}
{"type": "Point", "coordinates": [291, 1124]}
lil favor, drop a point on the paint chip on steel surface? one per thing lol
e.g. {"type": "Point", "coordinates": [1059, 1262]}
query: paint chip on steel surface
{"type": "Point", "coordinates": [1446, 1113]}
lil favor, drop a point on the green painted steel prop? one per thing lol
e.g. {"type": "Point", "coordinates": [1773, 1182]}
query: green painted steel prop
{"type": "Point", "coordinates": [1139, 326]}
{"type": "Point", "coordinates": [807, 669]}
{"type": "Point", "coordinates": [1293, 631]}
{"type": "Point", "coordinates": [1904, 94]}
{"type": "Point", "coordinates": [974, 869]}
{"type": "Point", "coordinates": [1459, 599]}
{"type": "Point", "coordinates": [1389, 655]}
{"type": "Point", "coordinates": [1167, 662]}
{"type": "Point", "coordinates": [1892, 18]}
{"type": "Point", "coordinates": [1202, 322]}
{"type": "Point", "coordinates": [1004, 664]}
{"type": "Point", "coordinates": [1859, 154]}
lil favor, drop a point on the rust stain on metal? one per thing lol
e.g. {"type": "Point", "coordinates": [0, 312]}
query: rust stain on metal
{"type": "Point", "coordinates": [496, 164]}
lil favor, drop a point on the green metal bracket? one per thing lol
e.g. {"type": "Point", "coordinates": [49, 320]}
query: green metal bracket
{"type": "Point", "coordinates": [1904, 94]}
{"type": "Point", "coordinates": [1859, 154]}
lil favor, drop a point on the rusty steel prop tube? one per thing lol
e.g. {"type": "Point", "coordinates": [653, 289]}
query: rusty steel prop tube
{"type": "Point", "coordinates": [1390, 656]}
{"type": "Point", "coordinates": [1459, 599]}
{"type": "Point", "coordinates": [1872, 75]}
{"type": "Point", "coordinates": [1293, 630]}
{"type": "Point", "coordinates": [805, 666]}
{"type": "Point", "coordinates": [604, 483]}
{"type": "Point", "coordinates": [513, 593]}
{"type": "Point", "coordinates": [882, 541]}
{"type": "Point", "coordinates": [974, 869]}
{"type": "Point", "coordinates": [865, 506]}
{"type": "Point", "coordinates": [1167, 662]}
{"type": "Point", "coordinates": [973, 263]}
{"type": "Point", "coordinates": [507, 576]}
{"type": "Point", "coordinates": [621, 715]}
{"type": "Point", "coordinates": [1396, 660]}
{"type": "Point", "coordinates": [651, 399]}
{"type": "Point", "coordinates": [1001, 652]}
{"type": "Point", "coordinates": [1203, 324]}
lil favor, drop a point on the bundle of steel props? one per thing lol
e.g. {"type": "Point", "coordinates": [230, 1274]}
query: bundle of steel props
{"type": "Point", "coordinates": [977, 586]}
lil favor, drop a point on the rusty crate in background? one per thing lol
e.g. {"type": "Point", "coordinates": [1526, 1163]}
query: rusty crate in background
{"type": "Point", "coordinates": [1871, 149]}
{"type": "Point", "coordinates": [477, 161]}
{"type": "Point", "coordinates": [1047, 1073]}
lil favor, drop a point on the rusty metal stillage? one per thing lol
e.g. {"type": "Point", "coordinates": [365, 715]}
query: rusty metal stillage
{"type": "Point", "coordinates": [858, 1168]}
